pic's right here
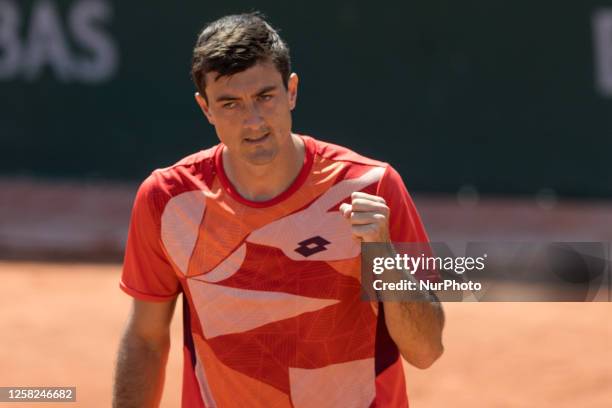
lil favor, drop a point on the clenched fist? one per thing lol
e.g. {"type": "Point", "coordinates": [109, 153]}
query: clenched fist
{"type": "Point", "coordinates": [369, 217]}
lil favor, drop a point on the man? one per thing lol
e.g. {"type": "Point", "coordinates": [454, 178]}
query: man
{"type": "Point", "coordinates": [262, 234]}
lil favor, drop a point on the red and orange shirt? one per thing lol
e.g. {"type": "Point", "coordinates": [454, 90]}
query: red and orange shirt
{"type": "Point", "coordinates": [272, 310]}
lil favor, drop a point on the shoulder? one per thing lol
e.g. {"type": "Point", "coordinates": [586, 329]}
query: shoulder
{"type": "Point", "coordinates": [334, 152]}
{"type": "Point", "coordinates": [200, 164]}
{"type": "Point", "coordinates": [183, 176]}
{"type": "Point", "coordinates": [355, 164]}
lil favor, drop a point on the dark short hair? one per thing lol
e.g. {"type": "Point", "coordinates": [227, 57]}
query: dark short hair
{"type": "Point", "coordinates": [234, 44]}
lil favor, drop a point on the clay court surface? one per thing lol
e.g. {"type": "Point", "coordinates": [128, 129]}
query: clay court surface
{"type": "Point", "coordinates": [60, 325]}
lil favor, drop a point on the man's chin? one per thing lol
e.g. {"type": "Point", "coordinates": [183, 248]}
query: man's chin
{"type": "Point", "coordinates": [260, 157]}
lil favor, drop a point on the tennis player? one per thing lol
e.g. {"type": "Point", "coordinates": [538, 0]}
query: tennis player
{"type": "Point", "coordinates": [262, 236]}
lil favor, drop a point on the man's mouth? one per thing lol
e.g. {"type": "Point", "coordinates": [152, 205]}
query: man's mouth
{"type": "Point", "coordinates": [259, 139]}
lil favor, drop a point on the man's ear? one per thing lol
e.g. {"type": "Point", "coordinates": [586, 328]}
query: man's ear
{"type": "Point", "coordinates": [205, 108]}
{"type": "Point", "coordinates": [292, 89]}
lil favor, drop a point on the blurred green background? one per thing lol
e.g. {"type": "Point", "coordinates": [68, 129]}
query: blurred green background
{"type": "Point", "coordinates": [510, 97]}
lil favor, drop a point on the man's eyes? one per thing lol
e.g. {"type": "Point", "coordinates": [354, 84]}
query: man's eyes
{"type": "Point", "coordinates": [234, 104]}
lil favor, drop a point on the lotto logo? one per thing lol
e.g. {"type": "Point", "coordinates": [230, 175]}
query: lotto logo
{"type": "Point", "coordinates": [312, 246]}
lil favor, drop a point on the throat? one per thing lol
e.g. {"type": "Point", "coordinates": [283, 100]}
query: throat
{"type": "Point", "coordinates": [265, 182]}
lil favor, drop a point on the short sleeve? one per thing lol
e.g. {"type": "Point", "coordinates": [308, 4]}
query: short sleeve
{"type": "Point", "coordinates": [405, 224]}
{"type": "Point", "coordinates": [147, 273]}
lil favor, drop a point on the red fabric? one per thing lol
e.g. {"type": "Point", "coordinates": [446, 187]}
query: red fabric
{"type": "Point", "coordinates": [148, 275]}
{"type": "Point", "coordinates": [388, 384]}
{"type": "Point", "coordinates": [251, 363]}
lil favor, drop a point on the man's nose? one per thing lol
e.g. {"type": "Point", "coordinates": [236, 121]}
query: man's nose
{"type": "Point", "coordinates": [253, 118]}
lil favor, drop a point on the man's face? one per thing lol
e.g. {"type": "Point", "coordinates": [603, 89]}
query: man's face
{"type": "Point", "coordinates": [251, 112]}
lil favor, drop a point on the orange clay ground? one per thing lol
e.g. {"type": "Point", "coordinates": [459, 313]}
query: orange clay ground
{"type": "Point", "coordinates": [60, 325]}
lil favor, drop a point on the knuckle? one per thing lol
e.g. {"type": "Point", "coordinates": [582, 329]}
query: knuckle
{"type": "Point", "coordinates": [380, 217]}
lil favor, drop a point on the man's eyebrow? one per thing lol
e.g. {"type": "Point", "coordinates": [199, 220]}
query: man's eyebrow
{"type": "Point", "coordinates": [227, 97]}
{"type": "Point", "coordinates": [266, 89]}
{"type": "Point", "coordinates": [223, 98]}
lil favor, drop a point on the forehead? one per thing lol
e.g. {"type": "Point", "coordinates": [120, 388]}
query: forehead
{"type": "Point", "coordinates": [251, 80]}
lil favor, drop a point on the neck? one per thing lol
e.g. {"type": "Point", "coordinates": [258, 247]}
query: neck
{"type": "Point", "coordinates": [264, 182]}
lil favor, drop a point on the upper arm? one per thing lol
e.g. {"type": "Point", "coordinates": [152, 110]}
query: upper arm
{"type": "Point", "coordinates": [405, 225]}
{"type": "Point", "coordinates": [147, 272]}
{"type": "Point", "coordinates": [404, 221]}
{"type": "Point", "coordinates": [150, 321]}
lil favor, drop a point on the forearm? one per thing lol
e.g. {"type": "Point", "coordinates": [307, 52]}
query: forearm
{"type": "Point", "coordinates": [140, 371]}
{"type": "Point", "coordinates": [416, 328]}
{"type": "Point", "coordinates": [414, 318]}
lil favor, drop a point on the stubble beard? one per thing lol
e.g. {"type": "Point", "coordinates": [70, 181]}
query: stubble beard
{"type": "Point", "coordinates": [260, 155]}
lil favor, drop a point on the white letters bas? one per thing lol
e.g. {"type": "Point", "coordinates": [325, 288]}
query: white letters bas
{"type": "Point", "coordinates": [29, 47]}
